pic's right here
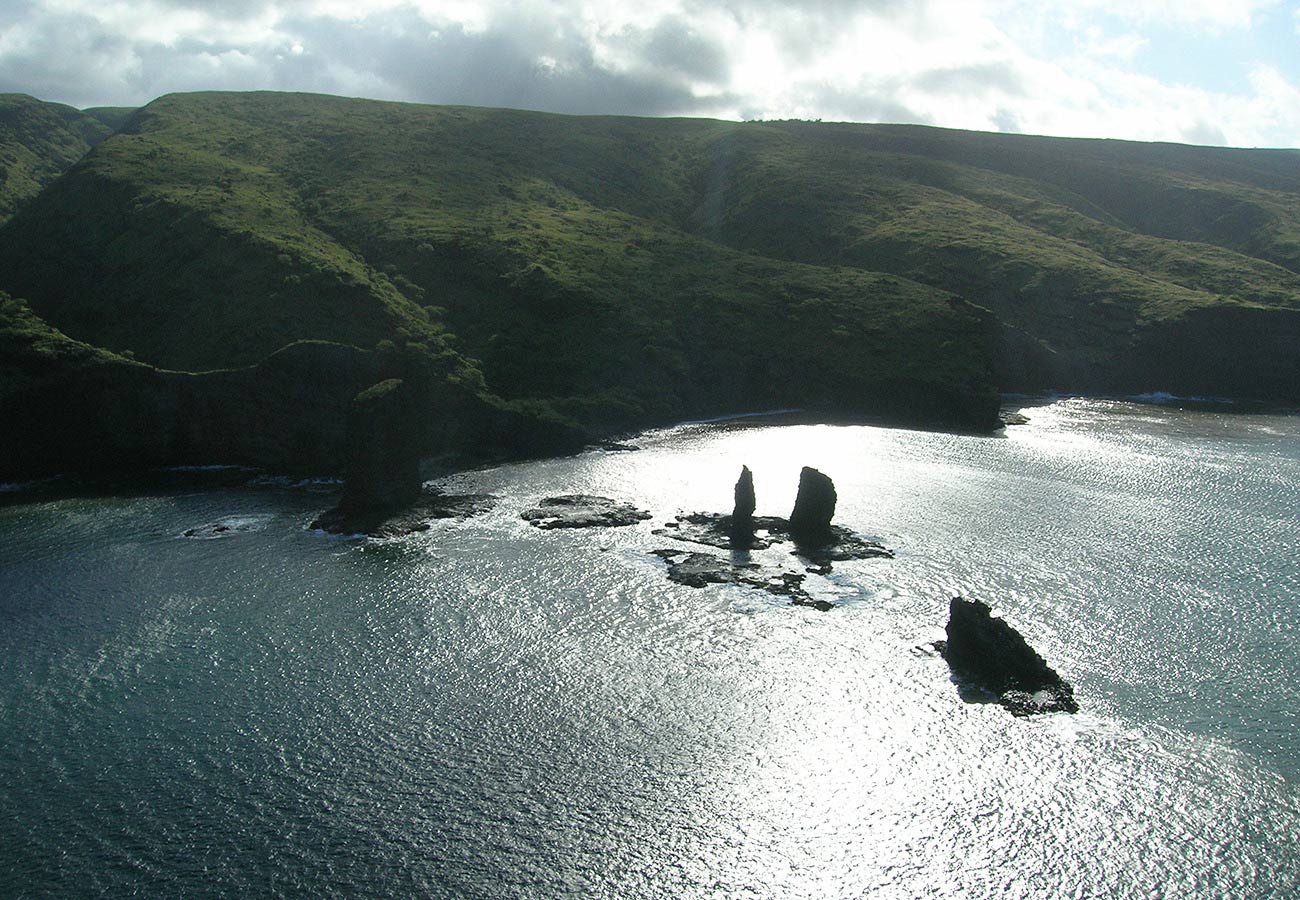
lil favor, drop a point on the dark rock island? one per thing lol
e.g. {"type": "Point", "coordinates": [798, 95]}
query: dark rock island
{"type": "Point", "coordinates": [814, 507]}
{"type": "Point", "coordinates": [583, 511]}
{"type": "Point", "coordinates": [997, 658]}
{"type": "Point", "coordinates": [815, 539]}
{"type": "Point", "coordinates": [742, 513]}
{"type": "Point", "coordinates": [809, 525]}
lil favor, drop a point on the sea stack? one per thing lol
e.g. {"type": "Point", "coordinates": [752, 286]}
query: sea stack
{"type": "Point", "coordinates": [814, 506]}
{"type": "Point", "coordinates": [997, 657]}
{"type": "Point", "coordinates": [382, 470]}
{"type": "Point", "coordinates": [742, 514]}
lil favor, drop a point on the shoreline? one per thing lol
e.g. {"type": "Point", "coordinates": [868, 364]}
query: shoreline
{"type": "Point", "coordinates": [144, 481]}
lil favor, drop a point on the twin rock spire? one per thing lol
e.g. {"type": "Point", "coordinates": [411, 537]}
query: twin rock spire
{"type": "Point", "coordinates": [814, 506]}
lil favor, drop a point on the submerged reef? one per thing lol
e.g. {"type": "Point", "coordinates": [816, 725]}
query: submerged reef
{"type": "Point", "coordinates": [701, 569]}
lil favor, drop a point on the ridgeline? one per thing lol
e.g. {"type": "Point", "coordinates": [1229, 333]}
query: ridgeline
{"type": "Point", "coordinates": [216, 279]}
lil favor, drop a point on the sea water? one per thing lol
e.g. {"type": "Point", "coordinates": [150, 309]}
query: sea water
{"type": "Point", "coordinates": [486, 709]}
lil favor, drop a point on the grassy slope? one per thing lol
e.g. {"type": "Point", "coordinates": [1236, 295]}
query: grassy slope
{"type": "Point", "coordinates": [619, 271]}
{"type": "Point", "coordinates": [68, 405]}
{"type": "Point", "coordinates": [1090, 246]}
{"type": "Point", "coordinates": [38, 142]}
{"type": "Point", "coordinates": [218, 227]}
{"type": "Point", "coordinates": [30, 350]}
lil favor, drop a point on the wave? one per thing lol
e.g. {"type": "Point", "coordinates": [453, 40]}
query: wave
{"type": "Point", "coordinates": [1160, 397]}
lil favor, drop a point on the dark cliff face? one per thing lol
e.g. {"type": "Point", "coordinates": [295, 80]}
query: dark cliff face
{"type": "Point", "coordinates": [66, 407]}
{"type": "Point", "coordinates": [287, 414]}
{"type": "Point", "coordinates": [1225, 351]}
{"type": "Point", "coordinates": [109, 416]}
{"type": "Point", "coordinates": [383, 450]}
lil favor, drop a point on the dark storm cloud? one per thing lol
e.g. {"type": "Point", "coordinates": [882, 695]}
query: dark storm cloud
{"type": "Point", "coordinates": [15, 11]}
{"type": "Point", "coordinates": [1007, 121]}
{"type": "Point", "coordinates": [675, 46]}
{"type": "Point", "coordinates": [75, 59]}
{"type": "Point", "coordinates": [192, 65]}
{"type": "Point", "coordinates": [821, 8]}
{"type": "Point", "coordinates": [869, 60]}
{"type": "Point", "coordinates": [1206, 134]}
{"type": "Point", "coordinates": [535, 63]}
{"type": "Point", "coordinates": [221, 9]}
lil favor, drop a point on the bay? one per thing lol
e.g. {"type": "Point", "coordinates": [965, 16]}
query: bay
{"type": "Point", "coordinates": [489, 710]}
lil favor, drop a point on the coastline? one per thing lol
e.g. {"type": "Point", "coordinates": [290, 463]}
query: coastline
{"type": "Point", "coordinates": [146, 480]}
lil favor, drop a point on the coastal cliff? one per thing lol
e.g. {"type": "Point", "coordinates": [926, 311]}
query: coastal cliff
{"type": "Point", "coordinates": [235, 268]}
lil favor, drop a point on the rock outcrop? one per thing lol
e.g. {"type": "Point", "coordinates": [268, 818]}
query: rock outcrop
{"type": "Point", "coordinates": [583, 511]}
{"type": "Point", "coordinates": [382, 473]}
{"type": "Point", "coordinates": [740, 527]}
{"type": "Point", "coordinates": [997, 658]}
{"type": "Point", "coordinates": [431, 505]}
{"type": "Point", "coordinates": [816, 539]}
{"type": "Point", "coordinates": [383, 470]}
{"type": "Point", "coordinates": [742, 514]}
{"type": "Point", "coordinates": [701, 569]}
{"type": "Point", "coordinates": [814, 507]}
{"type": "Point", "coordinates": [227, 527]}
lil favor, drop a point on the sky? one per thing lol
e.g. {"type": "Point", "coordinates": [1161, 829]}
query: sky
{"type": "Point", "coordinates": [1223, 72]}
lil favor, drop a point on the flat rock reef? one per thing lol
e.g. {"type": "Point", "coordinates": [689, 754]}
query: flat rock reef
{"type": "Point", "coordinates": [583, 511]}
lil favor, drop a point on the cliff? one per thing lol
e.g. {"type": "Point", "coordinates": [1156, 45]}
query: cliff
{"type": "Point", "coordinates": [250, 258]}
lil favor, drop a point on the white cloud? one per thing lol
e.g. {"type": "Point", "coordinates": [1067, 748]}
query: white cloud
{"type": "Point", "coordinates": [983, 64]}
{"type": "Point", "coordinates": [1211, 14]}
{"type": "Point", "coordinates": [1095, 41]}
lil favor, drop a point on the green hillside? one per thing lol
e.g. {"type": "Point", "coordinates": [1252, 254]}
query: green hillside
{"type": "Point", "coordinates": [614, 272]}
{"type": "Point", "coordinates": [1103, 252]}
{"type": "Point", "coordinates": [66, 405]}
{"type": "Point", "coordinates": [553, 250]}
{"type": "Point", "coordinates": [38, 142]}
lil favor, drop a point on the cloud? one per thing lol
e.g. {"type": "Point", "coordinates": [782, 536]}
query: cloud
{"type": "Point", "coordinates": [1096, 42]}
{"type": "Point", "coordinates": [537, 64]}
{"type": "Point", "coordinates": [14, 12]}
{"type": "Point", "coordinates": [978, 78]}
{"type": "Point", "coordinates": [677, 47]}
{"type": "Point", "coordinates": [69, 58]}
{"type": "Point", "coordinates": [1044, 66]}
{"type": "Point", "coordinates": [1205, 133]}
{"type": "Point", "coordinates": [1200, 14]}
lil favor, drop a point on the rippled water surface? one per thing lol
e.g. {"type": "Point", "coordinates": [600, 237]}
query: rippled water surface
{"type": "Point", "coordinates": [490, 710]}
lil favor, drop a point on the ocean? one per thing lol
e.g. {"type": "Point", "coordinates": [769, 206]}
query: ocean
{"type": "Point", "coordinates": [487, 709]}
